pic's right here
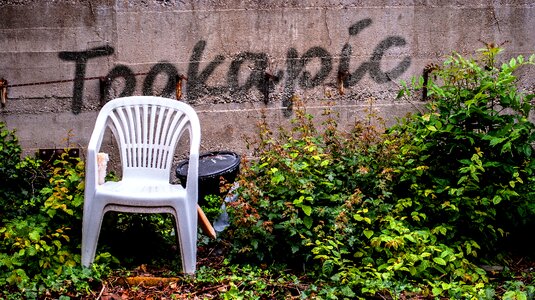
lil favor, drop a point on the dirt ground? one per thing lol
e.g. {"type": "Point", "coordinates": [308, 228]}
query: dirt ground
{"type": "Point", "coordinates": [148, 283]}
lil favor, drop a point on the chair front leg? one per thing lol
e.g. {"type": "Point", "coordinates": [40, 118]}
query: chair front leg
{"type": "Point", "coordinates": [92, 222]}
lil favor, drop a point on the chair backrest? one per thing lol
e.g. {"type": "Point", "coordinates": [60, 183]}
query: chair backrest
{"type": "Point", "coordinates": [147, 130]}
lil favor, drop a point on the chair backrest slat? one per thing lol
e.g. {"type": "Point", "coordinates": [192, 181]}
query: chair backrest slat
{"type": "Point", "coordinates": [152, 127]}
{"type": "Point", "coordinates": [145, 130]}
{"type": "Point", "coordinates": [160, 112]}
{"type": "Point", "coordinates": [176, 128]}
{"type": "Point", "coordinates": [139, 131]}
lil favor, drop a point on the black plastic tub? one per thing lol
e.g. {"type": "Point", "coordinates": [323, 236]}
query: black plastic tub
{"type": "Point", "coordinates": [212, 166]}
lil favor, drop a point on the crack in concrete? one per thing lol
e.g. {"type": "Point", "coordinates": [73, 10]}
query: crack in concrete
{"type": "Point", "coordinates": [327, 26]}
{"type": "Point", "coordinates": [220, 37]}
{"type": "Point", "coordinates": [496, 21]}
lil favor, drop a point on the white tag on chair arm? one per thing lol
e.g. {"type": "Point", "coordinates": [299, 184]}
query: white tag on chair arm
{"type": "Point", "coordinates": [102, 165]}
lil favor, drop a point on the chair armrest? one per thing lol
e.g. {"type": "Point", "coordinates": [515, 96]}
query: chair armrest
{"type": "Point", "coordinates": [91, 167]}
{"type": "Point", "coordinates": [91, 170]}
{"type": "Point", "coordinates": [194, 128]}
{"type": "Point", "coordinates": [192, 186]}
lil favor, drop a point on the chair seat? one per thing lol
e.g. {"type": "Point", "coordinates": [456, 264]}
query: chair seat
{"type": "Point", "coordinates": [142, 193]}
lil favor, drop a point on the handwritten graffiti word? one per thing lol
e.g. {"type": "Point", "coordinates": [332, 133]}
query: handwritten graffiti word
{"type": "Point", "coordinates": [295, 75]}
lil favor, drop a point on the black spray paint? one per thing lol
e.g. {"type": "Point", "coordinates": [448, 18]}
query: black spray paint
{"type": "Point", "coordinates": [80, 59]}
{"type": "Point", "coordinates": [164, 68]}
{"type": "Point", "coordinates": [295, 75]}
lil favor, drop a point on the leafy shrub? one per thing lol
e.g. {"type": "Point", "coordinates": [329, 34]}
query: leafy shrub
{"type": "Point", "coordinates": [412, 210]}
{"type": "Point", "coordinates": [294, 190]}
{"type": "Point", "coordinates": [212, 206]}
{"type": "Point", "coordinates": [324, 202]}
{"type": "Point", "coordinates": [20, 177]}
{"type": "Point", "coordinates": [472, 162]}
{"type": "Point", "coordinates": [40, 230]}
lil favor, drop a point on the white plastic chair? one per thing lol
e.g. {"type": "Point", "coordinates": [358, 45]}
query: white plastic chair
{"type": "Point", "coordinates": [147, 130]}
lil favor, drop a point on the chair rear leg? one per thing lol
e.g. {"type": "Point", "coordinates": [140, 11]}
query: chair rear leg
{"type": "Point", "coordinates": [187, 238]}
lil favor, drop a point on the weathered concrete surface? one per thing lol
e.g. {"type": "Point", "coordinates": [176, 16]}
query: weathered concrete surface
{"type": "Point", "coordinates": [226, 48]}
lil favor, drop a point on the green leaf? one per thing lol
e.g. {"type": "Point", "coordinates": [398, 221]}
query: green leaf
{"type": "Point", "coordinates": [512, 62]}
{"type": "Point", "coordinates": [527, 150]}
{"type": "Point", "coordinates": [506, 147]}
{"type": "Point", "coordinates": [57, 243]}
{"type": "Point", "coordinates": [307, 210]}
{"type": "Point", "coordinates": [277, 178]}
{"type": "Point", "coordinates": [437, 291]}
{"type": "Point", "coordinates": [308, 222]}
{"type": "Point", "coordinates": [34, 235]}
{"type": "Point", "coordinates": [347, 291]}
{"type": "Point", "coordinates": [496, 141]}
{"type": "Point", "coordinates": [439, 261]}
{"type": "Point", "coordinates": [368, 233]}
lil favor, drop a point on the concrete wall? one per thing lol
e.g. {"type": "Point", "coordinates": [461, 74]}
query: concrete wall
{"type": "Point", "coordinates": [240, 57]}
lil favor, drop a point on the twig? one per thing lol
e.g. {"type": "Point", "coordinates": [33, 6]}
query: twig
{"type": "Point", "coordinates": [101, 291]}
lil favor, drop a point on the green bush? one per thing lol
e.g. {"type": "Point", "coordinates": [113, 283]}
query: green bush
{"type": "Point", "coordinates": [296, 189]}
{"type": "Point", "coordinates": [324, 202]}
{"type": "Point", "coordinates": [471, 170]}
{"type": "Point", "coordinates": [40, 230]}
{"type": "Point", "coordinates": [20, 177]}
{"type": "Point", "coordinates": [412, 210]}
